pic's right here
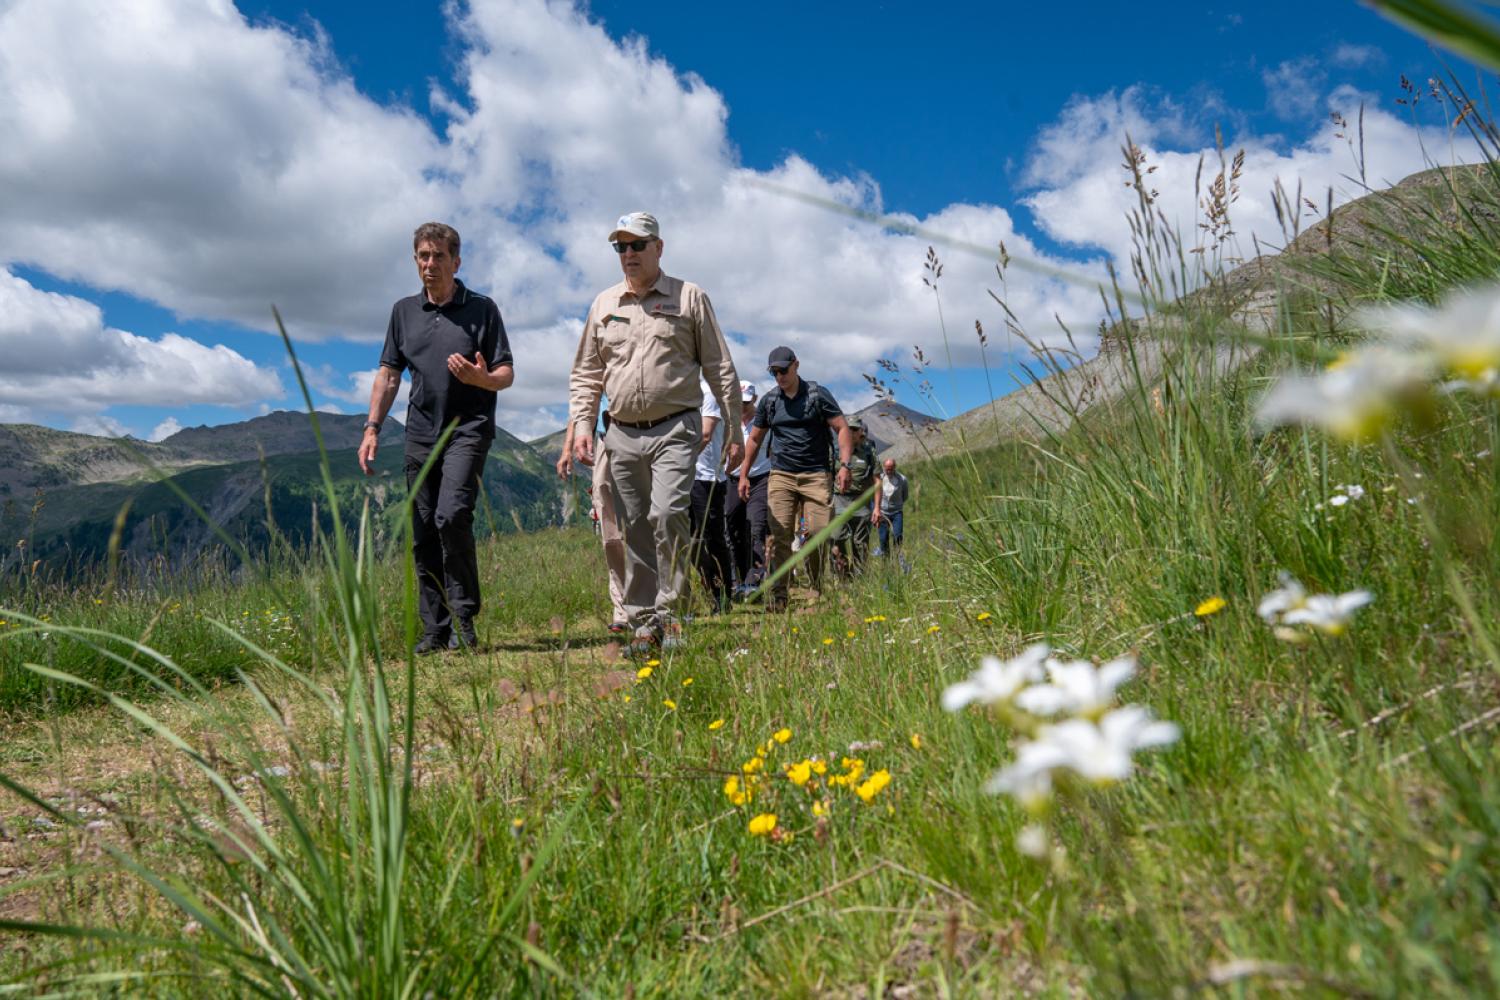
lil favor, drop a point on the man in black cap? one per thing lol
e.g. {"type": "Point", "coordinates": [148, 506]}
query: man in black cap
{"type": "Point", "coordinates": [803, 417]}
{"type": "Point", "coordinates": [454, 342]}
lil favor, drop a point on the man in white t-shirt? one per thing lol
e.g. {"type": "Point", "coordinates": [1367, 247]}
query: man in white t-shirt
{"type": "Point", "coordinates": [749, 519]}
{"type": "Point", "coordinates": [710, 542]}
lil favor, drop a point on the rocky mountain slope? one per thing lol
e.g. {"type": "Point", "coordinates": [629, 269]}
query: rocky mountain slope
{"type": "Point", "coordinates": [64, 492]}
{"type": "Point", "coordinates": [1248, 298]}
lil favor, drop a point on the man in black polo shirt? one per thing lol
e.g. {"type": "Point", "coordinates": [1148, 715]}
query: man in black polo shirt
{"type": "Point", "coordinates": [453, 341]}
{"type": "Point", "coordinates": [803, 417]}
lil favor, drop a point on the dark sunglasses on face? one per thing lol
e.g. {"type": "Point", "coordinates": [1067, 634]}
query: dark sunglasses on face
{"type": "Point", "coordinates": [777, 371]}
{"type": "Point", "coordinates": [637, 245]}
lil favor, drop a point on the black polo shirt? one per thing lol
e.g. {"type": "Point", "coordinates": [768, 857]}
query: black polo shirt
{"type": "Point", "coordinates": [421, 336]}
{"type": "Point", "coordinates": [798, 425]}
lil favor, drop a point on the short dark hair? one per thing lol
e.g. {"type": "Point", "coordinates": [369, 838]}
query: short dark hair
{"type": "Point", "coordinates": [436, 232]}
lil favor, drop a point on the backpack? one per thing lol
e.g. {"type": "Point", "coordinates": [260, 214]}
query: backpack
{"type": "Point", "coordinates": [813, 389]}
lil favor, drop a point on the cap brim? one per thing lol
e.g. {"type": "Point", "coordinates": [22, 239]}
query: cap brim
{"type": "Point", "coordinates": [631, 233]}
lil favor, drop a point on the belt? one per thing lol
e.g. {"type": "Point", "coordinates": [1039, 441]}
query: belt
{"type": "Point", "coordinates": [645, 425]}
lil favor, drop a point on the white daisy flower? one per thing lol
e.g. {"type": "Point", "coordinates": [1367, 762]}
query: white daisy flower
{"type": "Point", "coordinates": [1354, 398]}
{"type": "Point", "coordinates": [1328, 613]}
{"type": "Point", "coordinates": [997, 680]}
{"type": "Point", "coordinates": [1289, 595]}
{"type": "Point", "coordinates": [1101, 753]}
{"type": "Point", "coordinates": [1076, 687]}
{"type": "Point", "coordinates": [1463, 333]}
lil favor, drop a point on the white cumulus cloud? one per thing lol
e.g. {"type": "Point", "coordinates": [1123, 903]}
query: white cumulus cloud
{"type": "Point", "coordinates": [64, 364]}
{"type": "Point", "coordinates": [173, 150]}
{"type": "Point", "coordinates": [164, 430]}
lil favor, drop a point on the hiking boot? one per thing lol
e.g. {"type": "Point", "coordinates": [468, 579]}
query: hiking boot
{"type": "Point", "coordinates": [671, 636]}
{"type": "Point", "coordinates": [464, 637]}
{"type": "Point", "coordinates": [645, 642]}
{"type": "Point", "coordinates": [618, 628]}
{"type": "Point", "coordinates": [430, 644]}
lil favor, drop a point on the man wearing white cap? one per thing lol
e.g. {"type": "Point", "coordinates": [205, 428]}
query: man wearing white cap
{"type": "Point", "coordinates": [645, 343]}
{"type": "Point", "coordinates": [747, 519]}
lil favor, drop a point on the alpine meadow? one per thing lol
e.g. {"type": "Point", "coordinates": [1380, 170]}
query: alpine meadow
{"type": "Point", "coordinates": [1188, 685]}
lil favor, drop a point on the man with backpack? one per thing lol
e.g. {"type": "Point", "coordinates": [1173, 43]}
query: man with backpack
{"type": "Point", "coordinates": [803, 417]}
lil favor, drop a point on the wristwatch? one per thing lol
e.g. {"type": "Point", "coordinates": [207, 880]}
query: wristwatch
{"type": "Point", "coordinates": [847, 466]}
{"type": "Point", "coordinates": [372, 425]}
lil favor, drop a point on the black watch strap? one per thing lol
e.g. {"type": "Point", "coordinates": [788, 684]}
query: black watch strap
{"type": "Point", "coordinates": [372, 425]}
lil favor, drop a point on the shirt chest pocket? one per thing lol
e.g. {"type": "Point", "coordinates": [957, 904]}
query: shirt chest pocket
{"type": "Point", "coordinates": [668, 327]}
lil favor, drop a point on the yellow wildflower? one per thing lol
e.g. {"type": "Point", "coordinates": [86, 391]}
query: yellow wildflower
{"type": "Point", "coordinates": [874, 785]}
{"type": "Point", "coordinates": [752, 765]}
{"type": "Point", "coordinates": [799, 773]}
{"type": "Point", "coordinates": [687, 682]}
{"type": "Point", "coordinates": [763, 824]}
{"type": "Point", "coordinates": [849, 634]}
{"type": "Point", "coordinates": [716, 724]}
{"type": "Point", "coordinates": [819, 809]}
{"type": "Point", "coordinates": [781, 735]}
{"type": "Point", "coordinates": [517, 823]}
{"type": "Point", "coordinates": [819, 766]}
{"type": "Point", "coordinates": [828, 641]}
{"type": "Point", "coordinates": [653, 663]}
{"type": "Point", "coordinates": [877, 618]}
{"type": "Point", "coordinates": [983, 616]}
{"type": "Point", "coordinates": [643, 673]}
{"type": "Point", "coordinates": [627, 699]}
{"type": "Point", "coordinates": [916, 741]}
{"type": "Point", "coordinates": [669, 703]}
{"type": "Point", "coordinates": [934, 629]}
{"type": "Point", "coordinates": [732, 786]}
{"type": "Point", "coordinates": [1212, 606]}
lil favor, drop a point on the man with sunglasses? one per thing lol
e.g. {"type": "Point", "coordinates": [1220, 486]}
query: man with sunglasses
{"type": "Point", "coordinates": [645, 343]}
{"type": "Point", "coordinates": [803, 417]}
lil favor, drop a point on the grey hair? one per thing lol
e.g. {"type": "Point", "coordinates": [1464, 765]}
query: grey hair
{"type": "Point", "coordinates": [436, 232]}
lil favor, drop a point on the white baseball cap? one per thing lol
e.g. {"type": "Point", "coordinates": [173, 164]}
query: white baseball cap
{"type": "Point", "coordinates": [747, 391]}
{"type": "Point", "coordinates": [641, 225]}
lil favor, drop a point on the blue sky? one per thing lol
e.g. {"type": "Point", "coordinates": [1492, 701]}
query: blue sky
{"type": "Point", "coordinates": [179, 166]}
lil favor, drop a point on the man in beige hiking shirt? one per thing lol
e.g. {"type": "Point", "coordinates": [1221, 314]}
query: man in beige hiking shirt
{"type": "Point", "coordinates": [645, 342]}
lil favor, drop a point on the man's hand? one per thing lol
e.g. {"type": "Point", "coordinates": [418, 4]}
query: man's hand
{"type": "Point", "coordinates": [744, 488]}
{"type": "Point", "coordinates": [367, 449]}
{"type": "Point", "coordinates": [469, 372]}
{"type": "Point", "coordinates": [841, 481]}
{"type": "Point", "coordinates": [736, 457]}
{"type": "Point", "coordinates": [583, 450]}
{"type": "Point", "coordinates": [565, 464]}
{"type": "Point", "coordinates": [875, 516]}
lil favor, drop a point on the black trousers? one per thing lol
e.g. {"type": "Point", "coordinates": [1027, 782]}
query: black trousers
{"type": "Point", "coordinates": [709, 539]}
{"type": "Point", "coordinates": [443, 531]}
{"type": "Point", "coordinates": [748, 521]}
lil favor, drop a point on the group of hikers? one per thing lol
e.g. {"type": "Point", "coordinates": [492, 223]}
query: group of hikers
{"type": "Point", "coordinates": [690, 464]}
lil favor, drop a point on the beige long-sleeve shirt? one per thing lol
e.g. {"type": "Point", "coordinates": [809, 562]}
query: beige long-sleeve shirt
{"type": "Point", "coordinates": [645, 354]}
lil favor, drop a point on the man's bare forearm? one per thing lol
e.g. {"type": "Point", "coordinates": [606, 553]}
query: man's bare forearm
{"type": "Point", "coordinates": [383, 393]}
{"type": "Point", "coordinates": [499, 377]}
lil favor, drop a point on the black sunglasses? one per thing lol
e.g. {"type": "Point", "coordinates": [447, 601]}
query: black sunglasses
{"type": "Point", "coordinates": [637, 245]}
{"type": "Point", "coordinates": [777, 371]}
